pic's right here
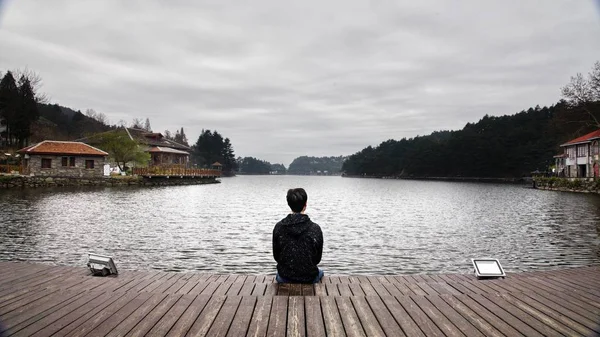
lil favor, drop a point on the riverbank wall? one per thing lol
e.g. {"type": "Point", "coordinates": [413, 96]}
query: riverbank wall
{"type": "Point", "coordinates": [567, 184]}
{"type": "Point", "coordinates": [522, 180]}
{"type": "Point", "coordinates": [20, 181]}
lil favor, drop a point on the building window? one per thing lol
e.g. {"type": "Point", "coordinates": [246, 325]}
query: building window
{"type": "Point", "coordinates": [89, 164]}
{"type": "Point", "coordinates": [595, 148]}
{"type": "Point", "coordinates": [582, 150]}
{"type": "Point", "coordinates": [65, 161]}
{"type": "Point", "coordinates": [46, 163]}
{"type": "Point", "coordinates": [72, 161]}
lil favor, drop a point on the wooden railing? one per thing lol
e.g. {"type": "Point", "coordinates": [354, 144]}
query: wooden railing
{"type": "Point", "coordinates": [9, 168]}
{"type": "Point", "coordinates": [162, 171]}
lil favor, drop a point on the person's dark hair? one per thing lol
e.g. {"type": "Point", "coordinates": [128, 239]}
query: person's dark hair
{"type": "Point", "coordinates": [296, 199]}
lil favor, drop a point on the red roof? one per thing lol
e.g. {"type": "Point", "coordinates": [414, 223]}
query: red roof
{"type": "Point", "coordinates": [584, 139]}
{"type": "Point", "coordinates": [59, 148]}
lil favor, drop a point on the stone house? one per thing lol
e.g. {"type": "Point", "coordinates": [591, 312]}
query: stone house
{"type": "Point", "coordinates": [580, 157]}
{"type": "Point", "coordinates": [63, 159]}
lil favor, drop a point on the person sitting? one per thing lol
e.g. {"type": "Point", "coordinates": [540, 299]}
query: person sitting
{"type": "Point", "coordinates": [297, 243]}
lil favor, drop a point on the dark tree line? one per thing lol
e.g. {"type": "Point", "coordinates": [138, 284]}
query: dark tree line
{"type": "Point", "coordinates": [18, 109]}
{"type": "Point", "coordinates": [178, 137]}
{"type": "Point", "coordinates": [506, 146]}
{"type": "Point", "coordinates": [211, 147]}
{"type": "Point", "coordinates": [251, 165]}
{"type": "Point", "coordinates": [305, 165]}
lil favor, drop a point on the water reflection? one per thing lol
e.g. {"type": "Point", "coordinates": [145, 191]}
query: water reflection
{"type": "Point", "coordinates": [370, 226]}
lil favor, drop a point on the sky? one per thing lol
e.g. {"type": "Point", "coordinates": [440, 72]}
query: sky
{"type": "Point", "coordinates": [284, 79]}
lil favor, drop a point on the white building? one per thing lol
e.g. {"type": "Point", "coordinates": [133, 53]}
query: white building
{"type": "Point", "coordinates": [580, 157]}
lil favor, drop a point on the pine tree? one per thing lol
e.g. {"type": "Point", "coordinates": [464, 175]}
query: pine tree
{"type": "Point", "coordinates": [27, 112]}
{"type": "Point", "coordinates": [9, 103]}
{"type": "Point", "coordinates": [147, 125]}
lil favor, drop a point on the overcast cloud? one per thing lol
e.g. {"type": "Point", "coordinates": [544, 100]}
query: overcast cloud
{"type": "Point", "coordinates": [288, 78]}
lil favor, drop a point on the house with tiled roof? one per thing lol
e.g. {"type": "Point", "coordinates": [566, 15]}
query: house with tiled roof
{"type": "Point", "coordinates": [580, 157]}
{"type": "Point", "coordinates": [63, 159]}
{"type": "Point", "coordinates": [163, 151]}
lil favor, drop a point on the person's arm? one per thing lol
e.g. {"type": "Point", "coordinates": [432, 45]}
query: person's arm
{"type": "Point", "coordinates": [276, 249]}
{"type": "Point", "coordinates": [319, 246]}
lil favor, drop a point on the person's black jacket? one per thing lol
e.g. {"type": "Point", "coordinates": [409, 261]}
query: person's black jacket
{"type": "Point", "coordinates": [297, 248]}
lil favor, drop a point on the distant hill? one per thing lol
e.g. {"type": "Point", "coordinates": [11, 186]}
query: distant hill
{"type": "Point", "coordinates": [306, 165]}
{"type": "Point", "coordinates": [61, 123]}
{"type": "Point", "coordinates": [510, 146]}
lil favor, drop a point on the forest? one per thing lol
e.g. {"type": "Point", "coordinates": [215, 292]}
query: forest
{"type": "Point", "coordinates": [508, 146]}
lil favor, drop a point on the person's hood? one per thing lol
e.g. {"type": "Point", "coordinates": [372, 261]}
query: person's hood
{"type": "Point", "coordinates": [295, 223]}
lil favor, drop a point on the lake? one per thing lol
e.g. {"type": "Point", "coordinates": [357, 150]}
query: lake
{"type": "Point", "coordinates": [370, 226]}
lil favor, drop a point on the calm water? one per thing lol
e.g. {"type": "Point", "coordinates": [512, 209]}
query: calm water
{"type": "Point", "coordinates": [369, 226]}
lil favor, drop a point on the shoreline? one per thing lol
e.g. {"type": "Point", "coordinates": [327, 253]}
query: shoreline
{"type": "Point", "coordinates": [22, 182]}
{"type": "Point", "coordinates": [523, 180]}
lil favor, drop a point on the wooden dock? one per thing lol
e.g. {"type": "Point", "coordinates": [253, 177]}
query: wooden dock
{"type": "Point", "coordinates": [45, 300]}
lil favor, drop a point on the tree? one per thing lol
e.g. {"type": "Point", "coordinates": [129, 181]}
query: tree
{"type": "Point", "coordinates": [122, 149]}
{"type": "Point", "coordinates": [35, 80]}
{"type": "Point", "coordinates": [210, 148]}
{"type": "Point", "coordinates": [137, 123]}
{"type": "Point", "coordinates": [168, 135]}
{"type": "Point", "coordinates": [27, 112]}
{"type": "Point", "coordinates": [147, 125]}
{"type": "Point", "coordinates": [584, 93]}
{"type": "Point", "coordinates": [98, 116]}
{"type": "Point", "coordinates": [9, 102]}
{"type": "Point", "coordinates": [180, 137]}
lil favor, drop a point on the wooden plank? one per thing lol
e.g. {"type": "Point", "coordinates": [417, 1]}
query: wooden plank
{"type": "Point", "coordinates": [315, 326]}
{"type": "Point", "coordinates": [427, 325]}
{"type": "Point", "coordinates": [189, 285]}
{"type": "Point", "coordinates": [332, 289]}
{"type": "Point", "coordinates": [132, 320]}
{"type": "Point", "coordinates": [222, 322]}
{"type": "Point", "coordinates": [308, 290]}
{"type": "Point", "coordinates": [349, 318]}
{"type": "Point", "coordinates": [344, 289]}
{"type": "Point", "coordinates": [331, 317]}
{"type": "Point", "coordinates": [28, 328]}
{"type": "Point", "coordinates": [368, 289]}
{"type": "Point", "coordinates": [222, 289]}
{"type": "Point", "coordinates": [278, 316]}
{"type": "Point", "coordinates": [19, 319]}
{"type": "Point", "coordinates": [547, 320]}
{"type": "Point", "coordinates": [189, 316]}
{"type": "Point", "coordinates": [95, 305]}
{"type": "Point", "coordinates": [119, 316]}
{"type": "Point", "coordinates": [367, 318]}
{"type": "Point", "coordinates": [295, 289]}
{"type": "Point", "coordinates": [206, 318]}
{"type": "Point", "coordinates": [296, 319]}
{"type": "Point", "coordinates": [505, 316]}
{"type": "Point", "coordinates": [492, 319]}
{"type": "Point", "coordinates": [406, 323]}
{"type": "Point", "coordinates": [241, 320]}
{"type": "Point", "coordinates": [320, 289]}
{"type": "Point", "coordinates": [165, 323]}
{"type": "Point", "coordinates": [545, 328]}
{"type": "Point", "coordinates": [455, 317]}
{"type": "Point", "coordinates": [436, 316]}
{"type": "Point", "coordinates": [260, 318]}
{"type": "Point", "coordinates": [283, 289]}
{"type": "Point", "coordinates": [480, 323]}
{"type": "Point", "coordinates": [87, 323]}
{"type": "Point", "coordinates": [235, 288]}
{"type": "Point", "coordinates": [148, 322]}
{"type": "Point", "coordinates": [246, 289]}
{"type": "Point", "coordinates": [271, 289]}
{"type": "Point", "coordinates": [386, 320]}
{"type": "Point", "coordinates": [356, 289]}
{"type": "Point", "coordinates": [259, 289]}
{"type": "Point", "coordinates": [569, 317]}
